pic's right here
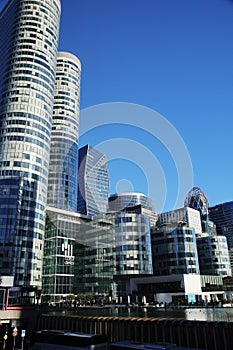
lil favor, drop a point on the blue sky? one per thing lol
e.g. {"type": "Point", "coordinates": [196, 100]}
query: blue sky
{"type": "Point", "coordinates": [172, 56]}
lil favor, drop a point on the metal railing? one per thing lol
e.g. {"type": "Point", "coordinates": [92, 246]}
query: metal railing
{"type": "Point", "coordinates": [208, 335]}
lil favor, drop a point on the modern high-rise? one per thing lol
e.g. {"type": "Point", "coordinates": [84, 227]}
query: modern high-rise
{"type": "Point", "coordinates": [63, 165]}
{"type": "Point", "coordinates": [93, 181]}
{"type": "Point", "coordinates": [196, 199]}
{"type": "Point", "coordinates": [29, 31]}
{"type": "Point", "coordinates": [222, 216]}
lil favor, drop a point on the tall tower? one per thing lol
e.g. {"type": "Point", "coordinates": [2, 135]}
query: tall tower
{"type": "Point", "coordinates": [29, 32]}
{"type": "Point", "coordinates": [93, 181]}
{"type": "Point", "coordinates": [222, 216]}
{"type": "Point", "coordinates": [63, 166]}
{"type": "Point", "coordinates": [196, 199]}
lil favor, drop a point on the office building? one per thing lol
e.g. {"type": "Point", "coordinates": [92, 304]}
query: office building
{"type": "Point", "coordinates": [28, 54]}
{"type": "Point", "coordinates": [117, 247]}
{"type": "Point", "coordinates": [121, 201]}
{"type": "Point", "coordinates": [63, 165]}
{"type": "Point", "coordinates": [95, 254]}
{"type": "Point", "coordinates": [93, 181]}
{"type": "Point", "coordinates": [174, 250]}
{"type": "Point", "coordinates": [61, 236]}
{"type": "Point", "coordinates": [213, 255]}
{"type": "Point", "coordinates": [133, 202]}
{"type": "Point", "coordinates": [196, 199]}
{"type": "Point", "coordinates": [222, 216]}
{"type": "Point", "coordinates": [141, 209]}
{"type": "Point", "coordinates": [184, 215]}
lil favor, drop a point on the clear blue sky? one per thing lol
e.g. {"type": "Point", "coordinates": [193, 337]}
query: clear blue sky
{"type": "Point", "coordinates": [172, 56]}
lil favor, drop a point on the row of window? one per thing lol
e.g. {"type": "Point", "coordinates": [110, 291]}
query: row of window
{"type": "Point", "coordinates": [25, 116]}
{"type": "Point", "coordinates": [33, 176]}
{"type": "Point", "coordinates": [24, 139]}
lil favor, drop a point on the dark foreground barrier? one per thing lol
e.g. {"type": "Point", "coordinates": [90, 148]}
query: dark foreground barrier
{"type": "Point", "coordinates": [208, 335]}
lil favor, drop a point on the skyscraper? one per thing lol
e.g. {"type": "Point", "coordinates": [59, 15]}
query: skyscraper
{"type": "Point", "coordinates": [196, 199]}
{"type": "Point", "coordinates": [222, 216]}
{"type": "Point", "coordinates": [29, 32]}
{"type": "Point", "coordinates": [63, 165]}
{"type": "Point", "coordinates": [93, 181]}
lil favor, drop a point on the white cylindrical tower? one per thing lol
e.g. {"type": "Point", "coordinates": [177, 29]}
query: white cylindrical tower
{"type": "Point", "coordinates": [63, 166]}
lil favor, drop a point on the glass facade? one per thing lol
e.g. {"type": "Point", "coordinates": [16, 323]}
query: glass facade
{"type": "Point", "coordinates": [133, 244]}
{"type": "Point", "coordinates": [196, 199]}
{"type": "Point", "coordinates": [140, 209]}
{"type": "Point", "coordinates": [95, 256]}
{"type": "Point", "coordinates": [174, 250]}
{"type": "Point", "coordinates": [213, 255]}
{"type": "Point", "coordinates": [121, 201]}
{"type": "Point", "coordinates": [117, 247]}
{"type": "Point", "coordinates": [79, 254]}
{"type": "Point", "coordinates": [58, 266]}
{"type": "Point", "coordinates": [28, 55]}
{"type": "Point", "coordinates": [222, 216]}
{"type": "Point", "coordinates": [93, 181]}
{"type": "Point", "coordinates": [63, 165]}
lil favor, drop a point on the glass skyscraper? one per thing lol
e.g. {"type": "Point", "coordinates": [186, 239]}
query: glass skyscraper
{"type": "Point", "coordinates": [222, 216]}
{"type": "Point", "coordinates": [63, 165]}
{"type": "Point", "coordinates": [28, 54]}
{"type": "Point", "coordinates": [196, 199]}
{"type": "Point", "coordinates": [93, 181]}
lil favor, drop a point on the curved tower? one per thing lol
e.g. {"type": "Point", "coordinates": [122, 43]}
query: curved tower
{"type": "Point", "coordinates": [93, 181]}
{"type": "Point", "coordinates": [196, 199]}
{"type": "Point", "coordinates": [63, 165]}
{"type": "Point", "coordinates": [29, 32]}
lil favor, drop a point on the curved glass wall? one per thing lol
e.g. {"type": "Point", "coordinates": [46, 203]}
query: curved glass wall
{"type": "Point", "coordinates": [28, 54]}
{"type": "Point", "coordinates": [196, 199]}
{"type": "Point", "coordinates": [133, 244]}
{"type": "Point", "coordinates": [213, 255]}
{"type": "Point", "coordinates": [120, 201]}
{"type": "Point", "coordinates": [63, 165]}
{"type": "Point", "coordinates": [174, 251]}
{"type": "Point", "coordinates": [93, 181]}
